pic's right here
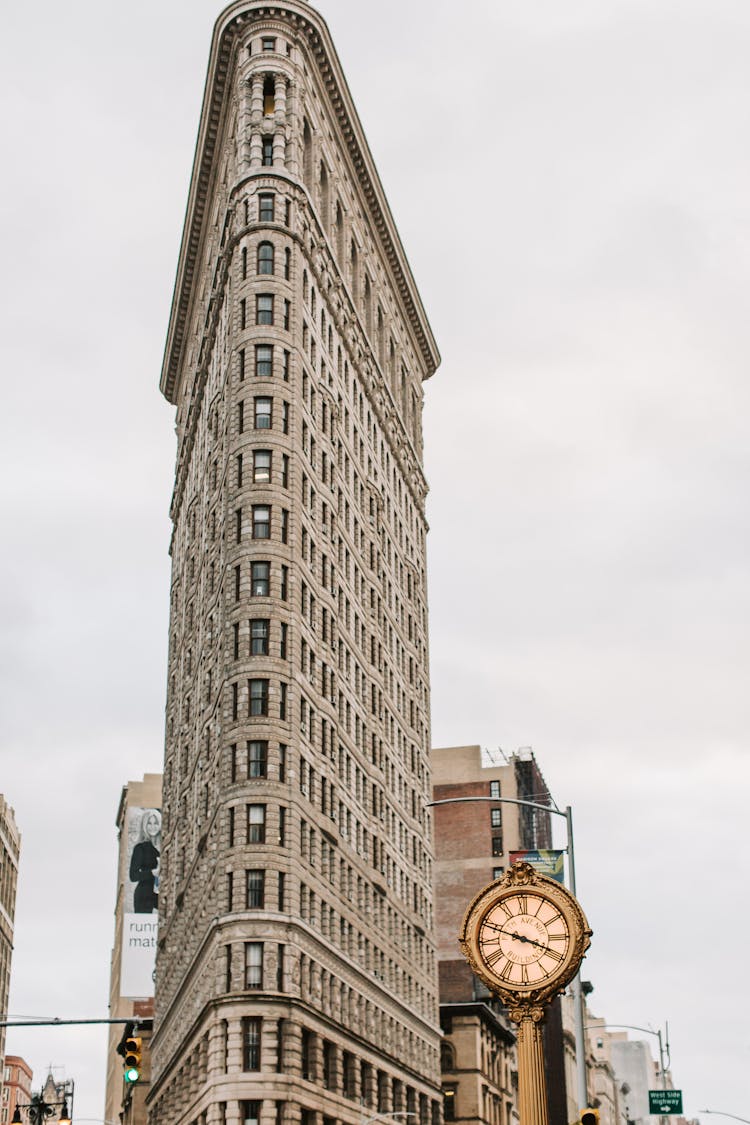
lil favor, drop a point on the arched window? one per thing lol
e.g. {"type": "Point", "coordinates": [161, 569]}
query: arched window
{"type": "Point", "coordinates": [368, 306]}
{"type": "Point", "coordinates": [324, 197]}
{"type": "Point", "coordinates": [355, 272]}
{"type": "Point", "coordinates": [339, 233]}
{"type": "Point", "coordinates": [269, 95]}
{"type": "Point", "coordinates": [265, 257]}
{"type": "Point", "coordinates": [307, 170]}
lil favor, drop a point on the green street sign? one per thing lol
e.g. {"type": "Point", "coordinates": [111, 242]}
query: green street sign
{"type": "Point", "coordinates": [665, 1101]}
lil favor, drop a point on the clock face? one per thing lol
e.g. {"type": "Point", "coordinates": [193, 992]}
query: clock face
{"type": "Point", "coordinates": [524, 940]}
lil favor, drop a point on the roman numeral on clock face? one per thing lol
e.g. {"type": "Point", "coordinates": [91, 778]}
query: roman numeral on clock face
{"type": "Point", "coordinates": [492, 958]}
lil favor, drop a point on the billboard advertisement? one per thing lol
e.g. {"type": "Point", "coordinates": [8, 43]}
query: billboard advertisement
{"type": "Point", "coordinates": [547, 862]}
{"type": "Point", "coordinates": [140, 918]}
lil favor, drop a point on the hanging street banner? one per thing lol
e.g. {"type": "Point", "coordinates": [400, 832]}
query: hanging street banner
{"type": "Point", "coordinates": [665, 1101]}
{"type": "Point", "coordinates": [546, 861]}
{"type": "Point", "coordinates": [140, 918]}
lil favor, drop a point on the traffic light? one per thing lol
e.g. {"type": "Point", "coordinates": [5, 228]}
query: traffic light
{"type": "Point", "coordinates": [132, 1053]}
{"type": "Point", "coordinates": [589, 1116]}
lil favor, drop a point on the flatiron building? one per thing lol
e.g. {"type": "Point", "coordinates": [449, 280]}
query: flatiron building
{"type": "Point", "coordinates": [296, 971]}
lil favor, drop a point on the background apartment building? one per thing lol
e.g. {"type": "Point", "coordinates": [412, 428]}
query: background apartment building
{"type": "Point", "coordinates": [17, 1077]}
{"type": "Point", "coordinates": [296, 970]}
{"type": "Point", "coordinates": [473, 845]}
{"type": "Point", "coordinates": [131, 985]}
{"type": "Point", "coordinates": [10, 847]}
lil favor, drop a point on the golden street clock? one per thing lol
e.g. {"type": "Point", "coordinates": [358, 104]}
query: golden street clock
{"type": "Point", "coordinates": [525, 936]}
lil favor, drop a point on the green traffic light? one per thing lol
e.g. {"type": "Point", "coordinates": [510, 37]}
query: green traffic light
{"type": "Point", "coordinates": [132, 1074]}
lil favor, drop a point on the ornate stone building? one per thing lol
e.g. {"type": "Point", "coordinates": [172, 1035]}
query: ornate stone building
{"type": "Point", "coordinates": [296, 970]}
{"type": "Point", "coordinates": [10, 847]}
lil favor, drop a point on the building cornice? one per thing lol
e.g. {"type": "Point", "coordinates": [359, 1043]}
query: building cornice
{"type": "Point", "coordinates": [305, 21]}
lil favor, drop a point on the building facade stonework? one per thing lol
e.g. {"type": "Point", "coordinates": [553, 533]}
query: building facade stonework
{"type": "Point", "coordinates": [296, 970]}
{"type": "Point", "coordinates": [10, 849]}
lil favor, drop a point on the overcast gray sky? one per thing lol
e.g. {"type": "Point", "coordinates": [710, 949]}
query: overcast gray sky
{"type": "Point", "coordinates": [571, 179]}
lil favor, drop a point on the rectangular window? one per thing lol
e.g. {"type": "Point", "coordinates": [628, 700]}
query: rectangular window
{"type": "Point", "coordinates": [257, 759]}
{"type": "Point", "coordinates": [496, 818]}
{"type": "Point", "coordinates": [265, 208]}
{"type": "Point", "coordinates": [261, 466]}
{"type": "Point", "coordinates": [282, 778]}
{"type": "Point", "coordinates": [495, 789]}
{"type": "Point", "coordinates": [267, 159]}
{"type": "Point", "coordinates": [255, 890]}
{"type": "Point", "coordinates": [282, 816]}
{"type": "Point", "coordinates": [240, 417]}
{"type": "Point", "coordinates": [261, 522]}
{"type": "Point", "coordinates": [258, 693]}
{"type": "Point", "coordinates": [282, 700]}
{"type": "Point", "coordinates": [498, 872]}
{"type": "Point", "coordinates": [243, 313]}
{"type": "Point", "coordinates": [285, 366]}
{"type": "Point", "coordinates": [253, 964]}
{"type": "Point", "coordinates": [284, 525]}
{"type": "Point", "coordinates": [283, 640]}
{"type": "Point", "coordinates": [285, 470]}
{"type": "Point", "coordinates": [251, 1029]}
{"type": "Point", "coordinates": [264, 308]}
{"type": "Point", "coordinates": [256, 824]}
{"type": "Point", "coordinates": [237, 574]}
{"type": "Point", "coordinates": [284, 583]}
{"type": "Point", "coordinates": [242, 364]}
{"type": "Point", "coordinates": [280, 900]}
{"type": "Point", "coordinates": [263, 413]}
{"type": "Point", "coordinates": [287, 314]}
{"type": "Point", "coordinates": [497, 845]}
{"type": "Point", "coordinates": [250, 1113]}
{"type": "Point", "coordinates": [260, 579]}
{"type": "Point", "coordinates": [238, 524]}
{"type": "Point", "coordinates": [264, 361]}
{"type": "Point", "coordinates": [268, 43]}
{"type": "Point", "coordinates": [259, 633]}
{"type": "Point", "coordinates": [285, 418]}
{"type": "Point", "coordinates": [449, 1103]}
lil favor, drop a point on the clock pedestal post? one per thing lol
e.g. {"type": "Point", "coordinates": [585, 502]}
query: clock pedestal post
{"type": "Point", "coordinates": [532, 1085]}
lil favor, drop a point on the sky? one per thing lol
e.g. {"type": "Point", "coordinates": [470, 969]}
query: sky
{"type": "Point", "coordinates": [571, 181]}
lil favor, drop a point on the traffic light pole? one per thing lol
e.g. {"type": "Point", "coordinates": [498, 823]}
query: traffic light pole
{"type": "Point", "coordinates": [575, 984]}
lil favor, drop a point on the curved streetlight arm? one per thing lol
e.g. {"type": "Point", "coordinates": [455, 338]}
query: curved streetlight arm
{"type": "Point", "coordinates": [663, 1048]}
{"type": "Point", "coordinates": [722, 1114]}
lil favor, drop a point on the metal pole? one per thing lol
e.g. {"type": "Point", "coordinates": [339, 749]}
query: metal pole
{"type": "Point", "coordinates": [576, 987]}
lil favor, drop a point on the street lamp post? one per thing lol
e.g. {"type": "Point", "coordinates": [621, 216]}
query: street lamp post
{"type": "Point", "coordinates": [39, 1111]}
{"type": "Point", "coordinates": [575, 984]}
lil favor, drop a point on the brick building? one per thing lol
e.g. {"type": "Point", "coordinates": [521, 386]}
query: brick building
{"type": "Point", "coordinates": [17, 1078]}
{"type": "Point", "coordinates": [296, 971]}
{"type": "Point", "coordinates": [473, 843]}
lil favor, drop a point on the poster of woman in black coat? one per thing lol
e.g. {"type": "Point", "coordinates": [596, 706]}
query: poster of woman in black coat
{"type": "Point", "coordinates": [144, 863]}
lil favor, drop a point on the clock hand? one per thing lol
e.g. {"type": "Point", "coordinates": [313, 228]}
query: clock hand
{"type": "Point", "coordinates": [529, 941]}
